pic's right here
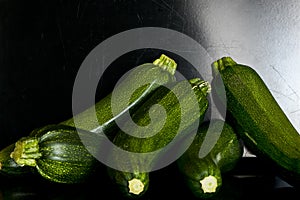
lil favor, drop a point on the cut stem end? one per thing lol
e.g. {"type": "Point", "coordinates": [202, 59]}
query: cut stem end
{"type": "Point", "coordinates": [209, 184]}
{"type": "Point", "coordinates": [135, 186]}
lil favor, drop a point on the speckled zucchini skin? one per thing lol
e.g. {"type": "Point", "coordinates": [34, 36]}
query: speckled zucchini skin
{"type": "Point", "coordinates": [56, 151]}
{"type": "Point", "coordinates": [160, 72]}
{"type": "Point", "coordinates": [258, 118]}
{"type": "Point", "coordinates": [166, 98]}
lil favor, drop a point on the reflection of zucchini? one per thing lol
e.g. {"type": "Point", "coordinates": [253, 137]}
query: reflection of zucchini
{"type": "Point", "coordinates": [258, 118]}
{"type": "Point", "coordinates": [179, 109]}
{"type": "Point", "coordinates": [204, 175]}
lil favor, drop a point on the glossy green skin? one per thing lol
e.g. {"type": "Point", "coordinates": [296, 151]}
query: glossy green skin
{"type": "Point", "coordinates": [222, 157]}
{"type": "Point", "coordinates": [64, 158]}
{"type": "Point", "coordinates": [168, 100]}
{"type": "Point", "coordinates": [256, 115]}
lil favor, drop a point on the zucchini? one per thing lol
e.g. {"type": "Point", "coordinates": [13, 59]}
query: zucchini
{"type": "Point", "coordinates": [258, 118]}
{"type": "Point", "coordinates": [56, 151]}
{"type": "Point", "coordinates": [135, 87]}
{"type": "Point", "coordinates": [203, 174]}
{"type": "Point", "coordinates": [181, 114]}
{"type": "Point", "coordinates": [159, 72]}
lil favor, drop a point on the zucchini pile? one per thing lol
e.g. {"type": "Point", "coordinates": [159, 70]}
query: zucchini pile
{"type": "Point", "coordinates": [254, 119]}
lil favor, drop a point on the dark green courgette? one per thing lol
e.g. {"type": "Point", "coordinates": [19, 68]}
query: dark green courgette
{"type": "Point", "coordinates": [203, 175]}
{"type": "Point", "coordinates": [56, 151]}
{"type": "Point", "coordinates": [160, 72]}
{"type": "Point", "coordinates": [180, 109]}
{"type": "Point", "coordinates": [258, 118]}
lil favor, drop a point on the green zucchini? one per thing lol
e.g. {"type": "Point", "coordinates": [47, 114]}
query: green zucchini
{"type": "Point", "coordinates": [56, 151]}
{"type": "Point", "coordinates": [258, 118]}
{"type": "Point", "coordinates": [180, 109]}
{"type": "Point", "coordinates": [160, 72]}
{"type": "Point", "coordinates": [203, 174]}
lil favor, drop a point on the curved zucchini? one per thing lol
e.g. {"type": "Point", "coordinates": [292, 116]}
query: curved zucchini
{"type": "Point", "coordinates": [134, 183]}
{"type": "Point", "coordinates": [56, 151]}
{"type": "Point", "coordinates": [203, 175]}
{"type": "Point", "coordinates": [259, 120]}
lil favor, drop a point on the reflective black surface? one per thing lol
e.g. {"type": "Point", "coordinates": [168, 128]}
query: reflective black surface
{"type": "Point", "coordinates": [252, 179]}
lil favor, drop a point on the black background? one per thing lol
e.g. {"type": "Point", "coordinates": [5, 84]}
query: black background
{"type": "Point", "coordinates": [42, 45]}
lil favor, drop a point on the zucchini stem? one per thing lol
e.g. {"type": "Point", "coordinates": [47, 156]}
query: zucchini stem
{"type": "Point", "coordinates": [166, 63]}
{"type": "Point", "coordinates": [203, 85]}
{"type": "Point", "coordinates": [222, 63]}
{"type": "Point", "coordinates": [26, 151]}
